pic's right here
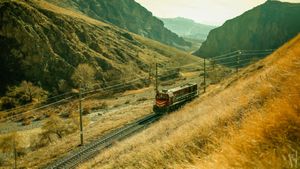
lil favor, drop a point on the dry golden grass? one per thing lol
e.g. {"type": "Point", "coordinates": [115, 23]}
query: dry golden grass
{"type": "Point", "coordinates": [253, 123]}
{"type": "Point", "coordinates": [105, 124]}
{"type": "Point", "coordinates": [67, 12]}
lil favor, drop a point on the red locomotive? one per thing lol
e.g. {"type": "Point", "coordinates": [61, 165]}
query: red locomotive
{"type": "Point", "coordinates": [169, 100]}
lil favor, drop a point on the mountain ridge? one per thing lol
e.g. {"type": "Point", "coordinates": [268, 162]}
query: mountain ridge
{"type": "Point", "coordinates": [42, 43]}
{"type": "Point", "coordinates": [266, 26]}
{"type": "Point", "coordinates": [126, 14]}
{"type": "Point", "coordinates": [187, 27]}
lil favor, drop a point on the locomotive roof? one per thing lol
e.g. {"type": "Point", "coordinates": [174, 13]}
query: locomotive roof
{"type": "Point", "coordinates": [177, 88]}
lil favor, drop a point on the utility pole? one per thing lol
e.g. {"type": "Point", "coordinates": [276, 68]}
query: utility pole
{"type": "Point", "coordinates": [213, 62]}
{"type": "Point", "coordinates": [238, 61]}
{"type": "Point", "coordinates": [80, 116]}
{"type": "Point", "coordinates": [15, 153]}
{"type": "Point", "coordinates": [204, 76]}
{"type": "Point", "coordinates": [156, 78]}
{"type": "Point", "coordinates": [149, 78]}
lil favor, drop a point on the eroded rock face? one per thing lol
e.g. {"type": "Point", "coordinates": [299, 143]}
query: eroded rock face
{"type": "Point", "coordinates": [267, 26]}
{"type": "Point", "coordinates": [43, 46]}
{"type": "Point", "coordinates": [126, 14]}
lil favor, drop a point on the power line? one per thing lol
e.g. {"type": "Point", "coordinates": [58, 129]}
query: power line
{"type": "Point", "coordinates": [35, 103]}
{"type": "Point", "coordinates": [258, 50]}
{"type": "Point", "coordinates": [35, 109]}
{"type": "Point", "coordinates": [229, 62]}
{"type": "Point", "coordinates": [48, 105]}
{"type": "Point", "coordinates": [241, 54]}
{"type": "Point", "coordinates": [232, 56]}
{"type": "Point", "coordinates": [219, 56]}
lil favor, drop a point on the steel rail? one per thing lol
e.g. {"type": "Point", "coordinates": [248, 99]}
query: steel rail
{"type": "Point", "coordinates": [86, 152]}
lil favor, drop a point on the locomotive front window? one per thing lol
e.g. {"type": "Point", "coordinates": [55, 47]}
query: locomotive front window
{"type": "Point", "coordinates": [162, 96]}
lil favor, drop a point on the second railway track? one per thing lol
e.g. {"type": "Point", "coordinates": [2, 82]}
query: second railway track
{"type": "Point", "coordinates": [76, 157]}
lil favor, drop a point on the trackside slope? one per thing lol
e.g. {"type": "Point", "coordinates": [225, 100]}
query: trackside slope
{"type": "Point", "coordinates": [251, 120]}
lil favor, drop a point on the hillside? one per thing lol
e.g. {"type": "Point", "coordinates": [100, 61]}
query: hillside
{"type": "Point", "coordinates": [43, 43]}
{"type": "Point", "coordinates": [187, 28]}
{"type": "Point", "coordinates": [267, 26]}
{"type": "Point", "coordinates": [126, 14]}
{"type": "Point", "coordinates": [250, 120]}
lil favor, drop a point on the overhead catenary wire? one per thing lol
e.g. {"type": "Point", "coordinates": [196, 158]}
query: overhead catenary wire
{"type": "Point", "coordinates": [241, 54]}
{"type": "Point", "coordinates": [51, 104]}
{"type": "Point", "coordinates": [120, 87]}
{"type": "Point", "coordinates": [220, 57]}
{"type": "Point", "coordinates": [235, 62]}
{"type": "Point", "coordinates": [38, 108]}
{"type": "Point", "coordinates": [41, 101]}
{"type": "Point", "coordinates": [181, 66]}
{"type": "Point", "coordinates": [35, 103]}
{"type": "Point", "coordinates": [226, 54]}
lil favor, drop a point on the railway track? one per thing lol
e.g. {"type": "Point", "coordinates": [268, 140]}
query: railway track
{"type": "Point", "coordinates": [86, 152]}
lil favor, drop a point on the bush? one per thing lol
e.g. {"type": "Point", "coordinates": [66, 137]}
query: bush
{"type": "Point", "coordinates": [84, 76]}
{"type": "Point", "coordinates": [26, 122]}
{"type": "Point", "coordinates": [103, 105]}
{"type": "Point", "coordinates": [26, 92]}
{"type": "Point", "coordinates": [142, 99]}
{"type": "Point", "coordinates": [7, 102]}
{"type": "Point", "coordinates": [86, 110]}
{"type": "Point", "coordinates": [65, 114]}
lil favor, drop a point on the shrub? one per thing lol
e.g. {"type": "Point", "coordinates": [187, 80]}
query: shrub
{"type": "Point", "coordinates": [65, 114]}
{"type": "Point", "coordinates": [142, 99]}
{"type": "Point", "coordinates": [86, 110]}
{"type": "Point", "coordinates": [7, 102]}
{"type": "Point", "coordinates": [84, 76]}
{"type": "Point", "coordinates": [26, 92]}
{"type": "Point", "coordinates": [26, 121]}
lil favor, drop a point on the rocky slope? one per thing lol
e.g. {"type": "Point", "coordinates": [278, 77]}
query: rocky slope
{"type": "Point", "coordinates": [267, 26]}
{"type": "Point", "coordinates": [126, 14]}
{"type": "Point", "coordinates": [250, 120]}
{"type": "Point", "coordinates": [187, 28]}
{"type": "Point", "coordinates": [42, 43]}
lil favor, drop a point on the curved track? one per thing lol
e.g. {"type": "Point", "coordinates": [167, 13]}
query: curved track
{"type": "Point", "coordinates": [86, 152]}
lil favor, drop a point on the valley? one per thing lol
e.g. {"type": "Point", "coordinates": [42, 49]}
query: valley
{"type": "Point", "coordinates": [79, 73]}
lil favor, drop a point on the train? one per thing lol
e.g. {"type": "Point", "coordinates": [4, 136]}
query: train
{"type": "Point", "coordinates": [168, 100]}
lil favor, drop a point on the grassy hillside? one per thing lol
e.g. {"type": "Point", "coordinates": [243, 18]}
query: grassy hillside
{"type": "Point", "coordinates": [126, 14]}
{"type": "Point", "coordinates": [251, 120]}
{"type": "Point", "coordinates": [43, 43]}
{"type": "Point", "coordinates": [267, 26]}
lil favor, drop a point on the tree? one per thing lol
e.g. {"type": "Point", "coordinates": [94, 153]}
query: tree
{"type": "Point", "coordinates": [11, 144]}
{"type": "Point", "coordinates": [57, 126]}
{"type": "Point", "coordinates": [26, 92]}
{"type": "Point", "coordinates": [63, 85]}
{"type": "Point", "coordinates": [84, 76]}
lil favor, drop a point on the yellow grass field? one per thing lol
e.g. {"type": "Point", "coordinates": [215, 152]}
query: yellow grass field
{"type": "Point", "coordinates": [251, 120]}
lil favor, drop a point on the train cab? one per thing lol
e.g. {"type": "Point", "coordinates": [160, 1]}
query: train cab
{"type": "Point", "coordinates": [162, 101]}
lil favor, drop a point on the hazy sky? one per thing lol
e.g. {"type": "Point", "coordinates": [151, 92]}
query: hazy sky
{"type": "Point", "coordinates": [213, 12]}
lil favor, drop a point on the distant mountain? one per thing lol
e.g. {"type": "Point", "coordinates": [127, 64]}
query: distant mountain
{"type": "Point", "coordinates": [267, 26]}
{"type": "Point", "coordinates": [43, 43]}
{"type": "Point", "coordinates": [126, 14]}
{"type": "Point", "coordinates": [187, 28]}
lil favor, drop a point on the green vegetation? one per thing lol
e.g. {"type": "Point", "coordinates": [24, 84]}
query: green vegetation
{"type": "Point", "coordinates": [65, 39]}
{"type": "Point", "coordinates": [250, 120]}
{"type": "Point", "coordinates": [10, 147]}
{"type": "Point", "coordinates": [22, 94]}
{"type": "Point", "coordinates": [84, 76]}
{"type": "Point", "coordinates": [267, 26]}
